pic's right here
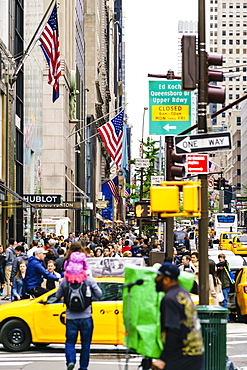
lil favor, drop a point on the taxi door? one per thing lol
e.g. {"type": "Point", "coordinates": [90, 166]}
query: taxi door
{"type": "Point", "coordinates": [108, 315]}
{"type": "Point", "coordinates": [241, 291]}
{"type": "Point", "coordinates": [49, 320]}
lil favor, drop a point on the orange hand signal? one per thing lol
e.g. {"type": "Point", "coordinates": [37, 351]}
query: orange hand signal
{"type": "Point", "coordinates": [139, 210]}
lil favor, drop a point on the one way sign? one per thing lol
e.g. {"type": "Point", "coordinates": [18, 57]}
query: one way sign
{"type": "Point", "coordinates": [203, 142]}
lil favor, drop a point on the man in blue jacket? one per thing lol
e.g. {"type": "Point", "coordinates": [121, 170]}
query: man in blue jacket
{"type": "Point", "coordinates": [35, 274]}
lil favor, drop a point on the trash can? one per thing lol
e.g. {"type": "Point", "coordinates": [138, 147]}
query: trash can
{"type": "Point", "coordinates": [213, 322]}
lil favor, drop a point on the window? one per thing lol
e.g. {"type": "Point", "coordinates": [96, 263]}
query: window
{"type": "Point", "coordinates": [224, 5]}
{"type": "Point", "coordinates": [244, 59]}
{"type": "Point", "coordinates": [231, 14]}
{"type": "Point", "coordinates": [211, 50]}
{"type": "Point", "coordinates": [237, 87]}
{"type": "Point", "coordinates": [223, 51]}
{"type": "Point", "coordinates": [237, 69]}
{"type": "Point", "coordinates": [230, 96]}
{"type": "Point", "coordinates": [211, 17]}
{"type": "Point", "coordinates": [238, 157]}
{"type": "Point", "coordinates": [215, 17]}
{"type": "Point", "coordinates": [223, 33]}
{"type": "Point", "coordinates": [230, 87]}
{"type": "Point", "coordinates": [245, 5]}
{"type": "Point", "coordinates": [223, 42]}
{"type": "Point", "coordinates": [223, 115]}
{"type": "Point", "coordinates": [244, 69]}
{"type": "Point", "coordinates": [238, 15]}
{"type": "Point", "coordinates": [223, 24]}
{"type": "Point", "coordinates": [238, 34]}
{"type": "Point", "coordinates": [211, 25]}
{"type": "Point", "coordinates": [244, 24]}
{"type": "Point", "coordinates": [230, 24]}
{"type": "Point", "coordinates": [244, 78]}
{"type": "Point", "coordinates": [244, 52]}
{"type": "Point", "coordinates": [244, 42]}
{"type": "Point", "coordinates": [237, 96]}
{"type": "Point", "coordinates": [244, 14]}
{"type": "Point", "coordinates": [237, 42]}
{"type": "Point", "coordinates": [230, 5]}
{"type": "Point", "coordinates": [211, 9]}
{"type": "Point", "coordinates": [237, 52]}
{"type": "Point", "coordinates": [230, 61]}
{"type": "Point", "coordinates": [238, 121]}
{"type": "Point", "coordinates": [238, 172]}
{"type": "Point", "coordinates": [231, 33]}
{"type": "Point", "coordinates": [237, 24]}
{"type": "Point", "coordinates": [230, 42]}
{"type": "Point", "coordinates": [215, 50]}
{"type": "Point", "coordinates": [223, 15]}
{"type": "Point", "coordinates": [238, 5]}
{"type": "Point", "coordinates": [211, 34]}
{"type": "Point", "coordinates": [215, 33]}
{"type": "Point", "coordinates": [215, 42]}
{"type": "Point", "coordinates": [244, 34]}
{"type": "Point", "coordinates": [230, 51]}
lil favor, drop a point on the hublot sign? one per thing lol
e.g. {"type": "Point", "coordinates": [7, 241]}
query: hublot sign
{"type": "Point", "coordinates": [42, 198]}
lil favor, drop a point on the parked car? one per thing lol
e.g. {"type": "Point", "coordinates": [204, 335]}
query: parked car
{"type": "Point", "coordinates": [226, 238]}
{"type": "Point", "coordinates": [239, 244]}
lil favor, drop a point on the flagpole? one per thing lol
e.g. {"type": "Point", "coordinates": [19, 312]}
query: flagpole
{"type": "Point", "coordinates": [75, 132]}
{"type": "Point", "coordinates": [33, 41]}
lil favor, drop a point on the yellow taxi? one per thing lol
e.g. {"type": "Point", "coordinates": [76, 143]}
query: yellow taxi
{"type": "Point", "coordinates": [241, 294]}
{"type": "Point", "coordinates": [239, 244]}
{"type": "Point", "coordinates": [225, 242]}
{"type": "Point", "coordinates": [41, 321]}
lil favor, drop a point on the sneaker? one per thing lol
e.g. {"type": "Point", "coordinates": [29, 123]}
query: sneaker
{"type": "Point", "coordinates": [6, 298]}
{"type": "Point", "coordinates": [70, 366]}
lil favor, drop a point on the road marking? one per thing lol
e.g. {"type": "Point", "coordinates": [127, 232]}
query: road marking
{"type": "Point", "coordinates": [14, 363]}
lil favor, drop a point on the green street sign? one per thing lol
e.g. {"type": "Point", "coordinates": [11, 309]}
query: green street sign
{"type": "Point", "coordinates": [169, 108]}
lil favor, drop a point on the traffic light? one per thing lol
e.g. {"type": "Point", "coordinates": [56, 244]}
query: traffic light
{"type": "Point", "coordinates": [216, 94]}
{"type": "Point", "coordinates": [173, 169]}
{"type": "Point", "coordinates": [217, 184]}
{"type": "Point", "coordinates": [164, 198]}
{"type": "Point", "coordinates": [223, 184]}
{"type": "Point", "coordinates": [189, 63]}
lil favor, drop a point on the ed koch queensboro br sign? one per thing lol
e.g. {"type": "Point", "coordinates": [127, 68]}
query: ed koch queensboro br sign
{"type": "Point", "coordinates": [169, 108]}
{"type": "Point", "coordinates": [42, 198]}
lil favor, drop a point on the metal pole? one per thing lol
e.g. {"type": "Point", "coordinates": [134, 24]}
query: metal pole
{"type": "Point", "coordinates": [202, 128]}
{"type": "Point", "coordinates": [169, 220]}
{"type": "Point", "coordinates": [142, 169]}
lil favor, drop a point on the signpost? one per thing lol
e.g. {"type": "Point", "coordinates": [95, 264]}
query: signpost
{"type": "Point", "coordinates": [197, 163]}
{"type": "Point", "coordinates": [169, 107]}
{"type": "Point", "coordinates": [141, 163]}
{"type": "Point", "coordinates": [156, 180]}
{"type": "Point", "coordinates": [203, 143]}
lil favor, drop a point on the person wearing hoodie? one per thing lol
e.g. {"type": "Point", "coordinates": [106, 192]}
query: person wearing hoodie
{"type": "Point", "coordinates": [35, 274]}
{"type": "Point", "coordinates": [20, 256]}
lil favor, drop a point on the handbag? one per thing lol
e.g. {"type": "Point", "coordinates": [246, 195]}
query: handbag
{"type": "Point", "coordinates": [220, 296]}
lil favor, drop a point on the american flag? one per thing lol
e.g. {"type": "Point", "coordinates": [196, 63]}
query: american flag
{"type": "Point", "coordinates": [112, 135]}
{"type": "Point", "coordinates": [113, 185]}
{"type": "Point", "coordinates": [211, 166]}
{"type": "Point", "coordinates": [50, 45]}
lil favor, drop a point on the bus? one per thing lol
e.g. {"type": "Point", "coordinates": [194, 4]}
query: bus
{"type": "Point", "coordinates": [224, 222]}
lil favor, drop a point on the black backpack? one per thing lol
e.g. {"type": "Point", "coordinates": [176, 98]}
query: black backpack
{"type": "Point", "coordinates": [75, 297]}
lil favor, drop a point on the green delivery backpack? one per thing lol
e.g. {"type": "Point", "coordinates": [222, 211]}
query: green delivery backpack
{"type": "Point", "coordinates": [141, 310]}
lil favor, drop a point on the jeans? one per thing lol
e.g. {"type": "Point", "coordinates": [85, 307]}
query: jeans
{"type": "Point", "coordinates": [85, 327]}
{"type": "Point", "coordinates": [225, 292]}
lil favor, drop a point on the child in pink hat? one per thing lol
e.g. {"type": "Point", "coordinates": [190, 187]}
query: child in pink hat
{"type": "Point", "coordinates": [75, 265]}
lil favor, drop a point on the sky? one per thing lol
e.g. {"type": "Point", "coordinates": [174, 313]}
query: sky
{"type": "Point", "coordinates": [151, 46]}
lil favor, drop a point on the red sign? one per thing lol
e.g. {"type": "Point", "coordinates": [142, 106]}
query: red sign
{"type": "Point", "coordinates": [197, 163]}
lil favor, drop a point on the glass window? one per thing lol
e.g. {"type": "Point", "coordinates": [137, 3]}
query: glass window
{"type": "Point", "coordinates": [237, 87]}
{"type": "Point", "coordinates": [237, 51]}
{"type": "Point", "coordinates": [223, 24]}
{"type": "Point", "coordinates": [244, 52]}
{"type": "Point", "coordinates": [230, 51]}
{"type": "Point", "coordinates": [238, 121]}
{"type": "Point", "coordinates": [211, 9]}
{"type": "Point", "coordinates": [215, 50]}
{"type": "Point", "coordinates": [231, 14]}
{"type": "Point", "coordinates": [238, 5]}
{"type": "Point", "coordinates": [230, 24]}
{"type": "Point", "coordinates": [230, 5]}
{"type": "Point", "coordinates": [245, 5]}
{"type": "Point", "coordinates": [237, 42]}
{"type": "Point", "coordinates": [223, 33]}
{"type": "Point", "coordinates": [223, 14]}
{"type": "Point", "coordinates": [244, 59]}
{"type": "Point", "coordinates": [211, 33]}
{"type": "Point", "coordinates": [230, 87]}
{"type": "Point", "coordinates": [244, 78]}
{"type": "Point", "coordinates": [231, 33]}
{"type": "Point", "coordinates": [211, 17]}
{"type": "Point", "coordinates": [237, 69]}
{"type": "Point", "coordinates": [230, 96]}
{"type": "Point", "coordinates": [110, 291]}
{"type": "Point", "coordinates": [238, 15]}
{"type": "Point", "coordinates": [224, 5]}
{"type": "Point", "coordinates": [215, 17]}
{"type": "Point", "coordinates": [215, 33]}
{"type": "Point", "coordinates": [230, 42]}
{"type": "Point", "coordinates": [237, 96]}
{"type": "Point", "coordinates": [244, 34]}
{"type": "Point", "coordinates": [211, 25]}
{"type": "Point", "coordinates": [237, 33]}
{"type": "Point", "coordinates": [223, 51]}
{"type": "Point", "coordinates": [244, 69]}
{"type": "Point", "coordinates": [237, 24]}
{"type": "Point", "coordinates": [223, 42]}
{"type": "Point", "coordinates": [244, 24]}
{"type": "Point", "coordinates": [244, 14]}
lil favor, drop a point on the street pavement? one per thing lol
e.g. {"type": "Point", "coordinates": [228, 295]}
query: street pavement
{"type": "Point", "coordinates": [102, 357]}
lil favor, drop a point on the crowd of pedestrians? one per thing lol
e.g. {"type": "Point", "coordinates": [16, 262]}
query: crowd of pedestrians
{"type": "Point", "coordinates": [34, 269]}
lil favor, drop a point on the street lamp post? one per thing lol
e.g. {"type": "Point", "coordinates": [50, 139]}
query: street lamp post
{"type": "Point", "coordinates": [142, 169]}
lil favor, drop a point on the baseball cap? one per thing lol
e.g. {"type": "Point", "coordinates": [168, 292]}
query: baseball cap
{"type": "Point", "coordinates": [168, 269]}
{"type": "Point", "coordinates": [40, 250]}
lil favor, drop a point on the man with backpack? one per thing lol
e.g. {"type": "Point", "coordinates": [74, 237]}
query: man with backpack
{"type": "Point", "coordinates": [226, 277]}
{"type": "Point", "coordinates": [78, 298]}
